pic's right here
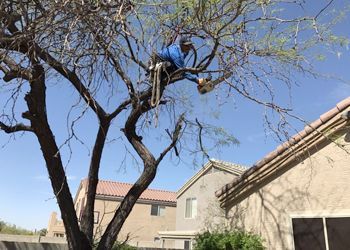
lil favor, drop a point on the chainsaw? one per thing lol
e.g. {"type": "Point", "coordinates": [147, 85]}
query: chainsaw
{"type": "Point", "coordinates": [207, 86]}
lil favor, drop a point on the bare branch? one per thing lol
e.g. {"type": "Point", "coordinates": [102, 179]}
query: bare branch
{"type": "Point", "coordinates": [174, 138]}
{"type": "Point", "coordinates": [15, 70]}
{"type": "Point", "coordinates": [16, 128]}
{"type": "Point", "coordinates": [200, 140]}
{"type": "Point", "coordinates": [74, 79]}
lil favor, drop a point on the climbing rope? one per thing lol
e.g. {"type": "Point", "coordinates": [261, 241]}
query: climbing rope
{"type": "Point", "coordinates": [156, 85]}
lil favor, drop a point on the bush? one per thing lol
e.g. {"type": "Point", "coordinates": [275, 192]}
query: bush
{"type": "Point", "coordinates": [122, 246]}
{"type": "Point", "coordinates": [228, 240]}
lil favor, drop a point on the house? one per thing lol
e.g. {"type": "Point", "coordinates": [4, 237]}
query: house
{"type": "Point", "coordinates": [55, 227]}
{"type": "Point", "coordinates": [197, 207]}
{"type": "Point", "coordinates": [298, 196]}
{"type": "Point", "coordinates": [154, 211]}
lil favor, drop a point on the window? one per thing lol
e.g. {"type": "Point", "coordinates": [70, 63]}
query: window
{"type": "Point", "coordinates": [157, 210]}
{"type": "Point", "coordinates": [191, 208]}
{"type": "Point", "coordinates": [321, 233]}
{"type": "Point", "coordinates": [308, 234]}
{"type": "Point", "coordinates": [96, 217]}
{"type": "Point", "coordinates": [338, 230]}
{"type": "Point", "coordinates": [187, 245]}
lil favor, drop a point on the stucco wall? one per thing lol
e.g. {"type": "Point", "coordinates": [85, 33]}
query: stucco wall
{"type": "Point", "coordinates": [317, 186]}
{"type": "Point", "coordinates": [140, 225]}
{"type": "Point", "coordinates": [55, 226]}
{"type": "Point", "coordinates": [208, 210]}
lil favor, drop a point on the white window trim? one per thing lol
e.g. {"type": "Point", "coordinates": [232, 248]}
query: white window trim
{"type": "Point", "coordinates": [191, 218]}
{"type": "Point", "coordinates": [158, 210]}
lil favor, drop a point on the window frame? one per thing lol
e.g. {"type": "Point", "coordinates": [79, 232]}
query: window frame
{"type": "Point", "coordinates": [189, 244]}
{"type": "Point", "coordinates": [316, 215]}
{"type": "Point", "coordinates": [159, 208]}
{"type": "Point", "coordinates": [191, 209]}
{"type": "Point", "coordinates": [312, 229]}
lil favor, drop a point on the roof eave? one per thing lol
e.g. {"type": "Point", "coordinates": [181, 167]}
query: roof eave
{"type": "Point", "coordinates": [140, 200]}
{"type": "Point", "coordinates": [234, 192]}
{"type": "Point", "coordinates": [204, 169]}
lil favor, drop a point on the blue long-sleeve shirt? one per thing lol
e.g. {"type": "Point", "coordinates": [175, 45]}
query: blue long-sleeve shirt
{"type": "Point", "coordinates": [174, 55]}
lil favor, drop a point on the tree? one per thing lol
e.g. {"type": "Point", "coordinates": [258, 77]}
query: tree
{"type": "Point", "coordinates": [7, 228]}
{"type": "Point", "coordinates": [42, 232]}
{"type": "Point", "coordinates": [105, 44]}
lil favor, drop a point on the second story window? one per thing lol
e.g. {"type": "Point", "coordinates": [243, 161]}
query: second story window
{"type": "Point", "coordinates": [157, 210]}
{"type": "Point", "coordinates": [191, 208]}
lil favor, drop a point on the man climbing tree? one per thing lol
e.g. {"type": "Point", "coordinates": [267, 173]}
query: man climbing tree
{"type": "Point", "coordinates": [176, 54]}
{"type": "Point", "coordinates": [101, 47]}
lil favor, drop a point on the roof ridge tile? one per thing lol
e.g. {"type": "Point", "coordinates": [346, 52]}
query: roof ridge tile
{"type": "Point", "coordinates": [120, 189]}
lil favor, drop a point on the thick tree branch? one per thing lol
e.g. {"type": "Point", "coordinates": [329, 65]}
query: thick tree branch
{"type": "Point", "coordinates": [10, 20]}
{"type": "Point", "coordinates": [74, 79]}
{"type": "Point", "coordinates": [148, 174]}
{"type": "Point", "coordinates": [15, 128]}
{"type": "Point", "coordinates": [20, 45]}
{"type": "Point", "coordinates": [87, 222]}
{"type": "Point", "coordinates": [14, 70]}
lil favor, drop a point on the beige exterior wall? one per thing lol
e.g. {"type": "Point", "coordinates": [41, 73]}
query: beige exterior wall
{"type": "Point", "coordinates": [209, 213]}
{"type": "Point", "coordinates": [207, 205]}
{"type": "Point", "coordinates": [55, 227]}
{"type": "Point", "coordinates": [315, 187]}
{"type": "Point", "coordinates": [141, 226]}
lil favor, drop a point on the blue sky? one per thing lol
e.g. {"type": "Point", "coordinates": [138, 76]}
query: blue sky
{"type": "Point", "coordinates": [26, 197]}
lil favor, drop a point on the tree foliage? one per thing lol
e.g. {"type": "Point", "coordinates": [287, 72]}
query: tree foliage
{"type": "Point", "coordinates": [7, 228]}
{"type": "Point", "coordinates": [100, 50]}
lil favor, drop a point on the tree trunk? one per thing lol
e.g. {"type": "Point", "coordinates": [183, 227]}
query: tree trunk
{"type": "Point", "coordinates": [87, 222]}
{"type": "Point", "coordinates": [113, 229]}
{"type": "Point", "coordinates": [36, 101]}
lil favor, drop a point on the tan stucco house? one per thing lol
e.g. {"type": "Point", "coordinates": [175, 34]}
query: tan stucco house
{"type": "Point", "coordinates": [55, 227]}
{"type": "Point", "coordinates": [298, 196]}
{"type": "Point", "coordinates": [197, 207]}
{"type": "Point", "coordinates": [154, 211]}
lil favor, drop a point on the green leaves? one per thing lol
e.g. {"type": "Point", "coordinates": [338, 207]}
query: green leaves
{"type": "Point", "coordinates": [235, 240]}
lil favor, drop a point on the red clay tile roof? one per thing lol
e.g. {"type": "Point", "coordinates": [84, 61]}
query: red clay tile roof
{"type": "Point", "coordinates": [119, 189]}
{"type": "Point", "coordinates": [310, 128]}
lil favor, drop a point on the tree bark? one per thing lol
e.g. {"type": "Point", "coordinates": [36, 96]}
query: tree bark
{"type": "Point", "coordinates": [36, 101]}
{"type": "Point", "coordinates": [113, 229]}
{"type": "Point", "coordinates": [87, 222]}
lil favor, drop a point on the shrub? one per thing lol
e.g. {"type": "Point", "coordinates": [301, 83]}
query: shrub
{"type": "Point", "coordinates": [228, 240]}
{"type": "Point", "coordinates": [122, 246]}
